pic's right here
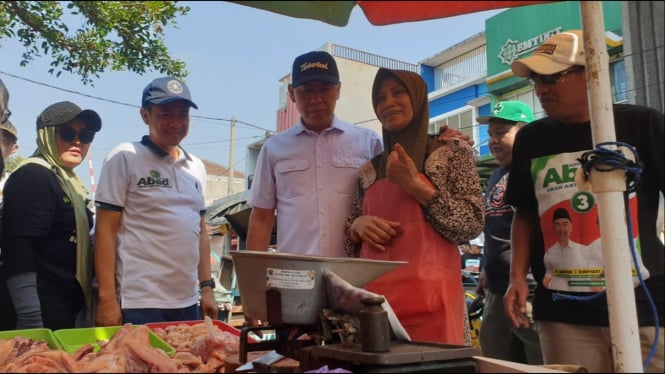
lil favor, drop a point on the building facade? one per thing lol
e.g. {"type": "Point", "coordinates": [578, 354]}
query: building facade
{"type": "Point", "coordinates": [465, 80]}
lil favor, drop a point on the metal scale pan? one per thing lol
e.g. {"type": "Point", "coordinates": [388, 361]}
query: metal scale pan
{"type": "Point", "coordinates": [299, 281]}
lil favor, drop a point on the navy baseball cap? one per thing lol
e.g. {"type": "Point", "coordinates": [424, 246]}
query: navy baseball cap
{"type": "Point", "coordinates": [166, 90]}
{"type": "Point", "coordinates": [316, 65]}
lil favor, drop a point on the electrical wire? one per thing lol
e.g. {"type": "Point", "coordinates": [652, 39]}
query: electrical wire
{"type": "Point", "coordinates": [127, 104]}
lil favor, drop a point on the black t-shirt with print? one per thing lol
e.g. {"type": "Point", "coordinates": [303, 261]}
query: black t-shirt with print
{"type": "Point", "coordinates": [638, 126]}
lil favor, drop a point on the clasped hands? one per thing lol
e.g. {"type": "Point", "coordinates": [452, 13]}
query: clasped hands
{"type": "Point", "coordinates": [377, 231]}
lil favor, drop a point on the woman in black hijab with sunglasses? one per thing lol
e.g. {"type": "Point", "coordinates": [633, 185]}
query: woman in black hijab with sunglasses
{"type": "Point", "coordinates": [46, 246]}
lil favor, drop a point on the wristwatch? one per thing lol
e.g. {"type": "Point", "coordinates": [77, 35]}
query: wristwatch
{"type": "Point", "coordinates": [208, 283]}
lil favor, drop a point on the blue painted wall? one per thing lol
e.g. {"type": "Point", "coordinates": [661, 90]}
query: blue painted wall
{"type": "Point", "coordinates": [456, 100]}
{"type": "Point", "coordinates": [427, 73]}
{"type": "Point", "coordinates": [453, 100]}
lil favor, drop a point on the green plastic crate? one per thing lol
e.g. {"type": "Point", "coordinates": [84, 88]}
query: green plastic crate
{"type": "Point", "coordinates": [34, 334]}
{"type": "Point", "coordinates": [72, 339]}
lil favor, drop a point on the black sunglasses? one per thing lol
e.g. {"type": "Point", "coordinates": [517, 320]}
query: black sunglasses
{"type": "Point", "coordinates": [68, 134]}
{"type": "Point", "coordinates": [552, 79]}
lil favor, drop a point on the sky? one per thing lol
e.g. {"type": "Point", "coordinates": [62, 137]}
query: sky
{"type": "Point", "coordinates": [236, 56]}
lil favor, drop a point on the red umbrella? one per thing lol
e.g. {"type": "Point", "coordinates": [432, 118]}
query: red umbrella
{"type": "Point", "coordinates": [337, 13]}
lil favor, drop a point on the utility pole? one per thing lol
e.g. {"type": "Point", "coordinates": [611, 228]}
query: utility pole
{"type": "Point", "coordinates": [231, 155]}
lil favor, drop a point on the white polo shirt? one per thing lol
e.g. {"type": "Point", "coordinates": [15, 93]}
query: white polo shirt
{"type": "Point", "coordinates": [161, 200]}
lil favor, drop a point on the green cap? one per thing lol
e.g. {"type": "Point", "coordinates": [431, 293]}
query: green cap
{"type": "Point", "coordinates": [515, 111]}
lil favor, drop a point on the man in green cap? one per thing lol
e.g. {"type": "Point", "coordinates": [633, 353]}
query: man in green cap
{"type": "Point", "coordinates": [498, 338]}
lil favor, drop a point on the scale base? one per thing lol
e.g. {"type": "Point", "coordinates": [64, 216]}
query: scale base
{"type": "Point", "coordinates": [403, 357]}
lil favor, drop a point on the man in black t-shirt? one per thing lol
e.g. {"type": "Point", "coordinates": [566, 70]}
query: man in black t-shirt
{"type": "Point", "coordinates": [546, 154]}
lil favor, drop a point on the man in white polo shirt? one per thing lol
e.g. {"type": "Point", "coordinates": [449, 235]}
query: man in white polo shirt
{"type": "Point", "coordinates": [152, 250]}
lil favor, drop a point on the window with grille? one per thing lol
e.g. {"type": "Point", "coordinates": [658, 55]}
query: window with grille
{"type": "Point", "coordinates": [461, 119]}
{"type": "Point", "coordinates": [529, 97]}
{"type": "Point", "coordinates": [460, 68]}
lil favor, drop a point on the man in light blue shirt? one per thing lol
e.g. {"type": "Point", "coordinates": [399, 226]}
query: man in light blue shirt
{"type": "Point", "coordinates": [309, 172]}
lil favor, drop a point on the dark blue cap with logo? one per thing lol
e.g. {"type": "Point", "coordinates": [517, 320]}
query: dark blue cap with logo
{"type": "Point", "coordinates": [316, 65]}
{"type": "Point", "coordinates": [166, 90]}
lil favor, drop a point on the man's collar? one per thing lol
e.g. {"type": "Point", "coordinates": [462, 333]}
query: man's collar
{"type": "Point", "coordinates": [336, 125]}
{"type": "Point", "coordinates": [157, 150]}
